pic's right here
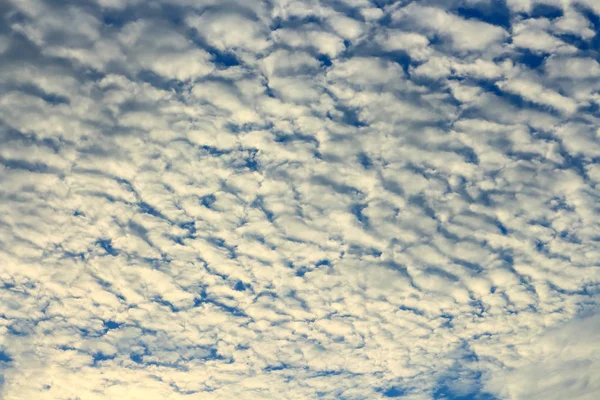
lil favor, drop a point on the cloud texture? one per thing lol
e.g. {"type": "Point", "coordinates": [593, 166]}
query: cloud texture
{"type": "Point", "coordinates": [299, 199]}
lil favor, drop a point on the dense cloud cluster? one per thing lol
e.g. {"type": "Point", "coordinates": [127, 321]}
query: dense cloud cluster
{"type": "Point", "coordinates": [299, 199]}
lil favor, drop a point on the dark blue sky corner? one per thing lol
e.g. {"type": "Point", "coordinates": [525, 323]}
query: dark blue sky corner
{"type": "Point", "coordinates": [493, 12]}
{"type": "Point", "coordinates": [462, 386]}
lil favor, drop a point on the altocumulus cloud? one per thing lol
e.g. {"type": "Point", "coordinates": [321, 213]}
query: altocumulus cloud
{"type": "Point", "coordinates": [350, 199]}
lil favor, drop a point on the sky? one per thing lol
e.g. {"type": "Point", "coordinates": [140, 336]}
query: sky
{"type": "Point", "coordinates": [285, 199]}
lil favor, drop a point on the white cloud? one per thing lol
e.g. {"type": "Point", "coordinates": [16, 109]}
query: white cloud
{"type": "Point", "coordinates": [574, 23]}
{"type": "Point", "coordinates": [416, 45]}
{"type": "Point", "coordinates": [312, 38]}
{"type": "Point", "coordinates": [561, 362]}
{"type": "Point", "coordinates": [165, 52]}
{"type": "Point", "coordinates": [465, 34]}
{"type": "Point", "coordinates": [533, 34]}
{"type": "Point", "coordinates": [347, 28]}
{"type": "Point", "coordinates": [535, 92]}
{"type": "Point", "coordinates": [228, 30]}
{"type": "Point", "coordinates": [572, 68]}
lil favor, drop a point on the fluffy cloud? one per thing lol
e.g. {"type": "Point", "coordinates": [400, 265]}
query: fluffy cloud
{"type": "Point", "coordinates": [561, 362]}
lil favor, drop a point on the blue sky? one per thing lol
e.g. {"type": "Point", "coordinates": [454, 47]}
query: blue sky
{"type": "Point", "coordinates": [350, 199]}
